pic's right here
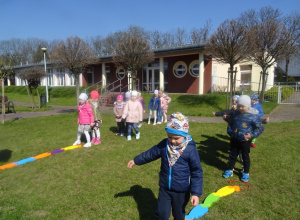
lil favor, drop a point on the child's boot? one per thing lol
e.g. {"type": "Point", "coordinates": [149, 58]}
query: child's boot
{"type": "Point", "coordinates": [93, 140]}
{"type": "Point", "coordinates": [137, 136]}
{"type": "Point", "coordinates": [97, 141]}
{"type": "Point", "coordinates": [245, 177]}
{"type": "Point", "coordinates": [227, 173]}
{"type": "Point", "coordinates": [129, 137]}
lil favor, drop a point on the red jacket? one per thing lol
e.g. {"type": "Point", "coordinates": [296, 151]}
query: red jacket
{"type": "Point", "coordinates": [86, 115]}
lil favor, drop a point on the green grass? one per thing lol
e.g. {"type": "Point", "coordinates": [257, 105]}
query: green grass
{"type": "Point", "coordinates": [94, 183]}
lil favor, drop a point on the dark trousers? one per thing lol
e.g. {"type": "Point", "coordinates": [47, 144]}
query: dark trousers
{"type": "Point", "coordinates": [121, 127]}
{"type": "Point", "coordinates": [130, 126]}
{"type": "Point", "coordinates": [168, 199]}
{"type": "Point", "coordinates": [235, 147]}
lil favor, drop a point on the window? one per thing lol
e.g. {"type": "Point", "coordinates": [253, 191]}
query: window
{"type": "Point", "coordinates": [50, 79]}
{"type": "Point", "coordinates": [61, 79]}
{"type": "Point", "coordinates": [179, 69]}
{"type": "Point", "coordinates": [120, 73]}
{"type": "Point", "coordinates": [72, 79]}
{"type": "Point", "coordinates": [194, 68]}
{"type": "Point", "coordinates": [246, 71]}
{"type": "Point", "coordinates": [49, 70]}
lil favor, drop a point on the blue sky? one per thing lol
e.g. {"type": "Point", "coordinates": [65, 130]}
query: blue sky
{"type": "Point", "coordinates": [59, 19]}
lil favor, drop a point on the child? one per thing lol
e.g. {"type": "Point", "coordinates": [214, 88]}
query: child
{"type": "Point", "coordinates": [127, 96]}
{"type": "Point", "coordinates": [85, 120]}
{"type": "Point", "coordinates": [227, 113]}
{"type": "Point", "coordinates": [154, 106]}
{"type": "Point", "coordinates": [180, 170]}
{"type": "Point", "coordinates": [133, 113]}
{"type": "Point", "coordinates": [256, 105]}
{"type": "Point", "coordinates": [160, 110]}
{"type": "Point", "coordinates": [97, 117]}
{"type": "Point", "coordinates": [118, 111]}
{"type": "Point", "coordinates": [242, 127]}
{"type": "Point", "coordinates": [165, 106]}
{"type": "Point", "coordinates": [141, 100]}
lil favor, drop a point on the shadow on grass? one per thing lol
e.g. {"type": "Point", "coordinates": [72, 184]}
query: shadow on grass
{"type": "Point", "coordinates": [145, 200]}
{"type": "Point", "coordinates": [5, 155]}
{"type": "Point", "coordinates": [214, 151]}
{"type": "Point", "coordinates": [192, 100]}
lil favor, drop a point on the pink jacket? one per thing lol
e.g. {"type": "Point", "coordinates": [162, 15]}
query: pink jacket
{"type": "Point", "coordinates": [166, 101]}
{"type": "Point", "coordinates": [86, 115]}
{"type": "Point", "coordinates": [133, 111]}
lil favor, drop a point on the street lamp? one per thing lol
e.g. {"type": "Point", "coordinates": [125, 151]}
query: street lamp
{"type": "Point", "coordinates": [44, 49]}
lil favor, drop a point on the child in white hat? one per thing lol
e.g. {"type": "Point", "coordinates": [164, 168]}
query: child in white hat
{"type": "Point", "coordinates": [180, 171]}
{"type": "Point", "coordinates": [85, 120]}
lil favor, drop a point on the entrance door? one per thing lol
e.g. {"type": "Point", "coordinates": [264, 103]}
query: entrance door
{"type": "Point", "coordinates": [151, 79]}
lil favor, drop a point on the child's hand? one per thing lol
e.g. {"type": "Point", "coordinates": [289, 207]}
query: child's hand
{"type": "Point", "coordinates": [213, 113]}
{"type": "Point", "coordinates": [92, 124]}
{"type": "Point", "coordinates": [247, 137]}
{"type": "Point", "coordinates": [100, 121]}
{"type": "Point", "coordinates": [195, 200]}
{"type": "Point", "coordinates": [224, 117]}
{"type": "Point", "coordinates": [130, 164]}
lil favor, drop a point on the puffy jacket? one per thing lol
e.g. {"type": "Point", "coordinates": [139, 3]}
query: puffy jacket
{"type": "Point", "coordinates": [133, 111]}
{"type": "Point", "coordinates": [118, 110]}
{"type": "Point", "coordinates": [154, 103]}
{"type": "Point", "coordinates": [96, 111]}
{"type": "Point", "coordinates": [259, 108]}
{"type": "Point", "coordinates": [241, 124]}
{"type": "Point", "coordinates": [185, 174]}
{"type": "Point", "coordinates": [86, 115]}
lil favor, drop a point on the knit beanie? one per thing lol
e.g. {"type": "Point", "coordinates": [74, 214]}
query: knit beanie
{"type": "Point", "coordinates": [83, 96]}
{"type": "Point", "coordinates": [235, 97]}
{"type": "Point", "coordinates": [156, 92]}
{"type": "Point", "coordinates": [127, 95]}
{"type": "Point", "coordinates": [94, 94]}
{"type": "Point", "coordinates": [134, 93]}
{"type": "Point", "coordinates": [245, 101]}
{"type": "Point", "coordinates": [178, 124]}
{"type": "Point", "coordinates": [120, 97]}
{"type": "Point", "coordinates": [254, 96]}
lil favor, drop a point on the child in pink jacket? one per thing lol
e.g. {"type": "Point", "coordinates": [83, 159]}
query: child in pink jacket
{"type": "Point", "coordinates": [165, 105]}
{"type": "Point", "coordinates": [133, 113]}
{"type": "Point", "coordinates": [85, 120]}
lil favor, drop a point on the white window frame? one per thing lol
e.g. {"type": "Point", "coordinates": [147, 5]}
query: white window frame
{"type": "Point", "coordinates": [118, 71]}
{"type": "Point", "coordinates": [192, 68]}
{"type": "Point", "coordinates": [176, 69]}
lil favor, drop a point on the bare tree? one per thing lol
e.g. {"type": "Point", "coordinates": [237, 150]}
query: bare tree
{"type": "Point", "coordinates": [292, 24]}
{"type": "Point", "coordinates": [228, 45]}
{"type": "Point", "coordinates": [5, 71]}
{"type": "Point", "coordinates": [181, 36]}
{"type": "Point", "coordinates": [268, 39]}
{"type": "Point", "coordinates": [156, 39]}
{"type": "Point", "coordinates": [32, 76]}
{"type": "Point", "coordinates": [132, 53]}
{"type": "Point", "coordinates": [201, 35]}
{"type": "Point", "coordinates": [74, 54]}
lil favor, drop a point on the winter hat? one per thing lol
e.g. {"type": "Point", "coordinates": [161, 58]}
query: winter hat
{"type": "Point", "coordinates": [94, 94]}
{"type": "Point", "coordinates": [134, 93]}
{"type": "Point", "coordinates": [156, 92]}
{"type": "Point", "coordinates": [178, 124]}
{"type": "Point", "coordinates": [254, 96]}
{"type": "Point", "coordinates": [245, 101]}
{"type": "Point", "coordinates": [235, 97]}
{"type": "Point", "coordinates": [83, 96]}
{"type": "Point", "coordinates": [120, 97]}
{"type": "Point", "coordinates": [127, 95]}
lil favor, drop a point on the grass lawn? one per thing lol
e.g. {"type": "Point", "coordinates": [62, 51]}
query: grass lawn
{"type": "Point", "coordinates": [94, 183]}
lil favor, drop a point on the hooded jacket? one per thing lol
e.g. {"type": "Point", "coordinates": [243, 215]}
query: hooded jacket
{"type": "Point", "coordinates": [154, 103]}
{"type": "Point", "coordinates": [86, 115]}
{"type": "Point", "coordinates": [133, 111]}
{"type": "Point", "coordinates": [186, 174]}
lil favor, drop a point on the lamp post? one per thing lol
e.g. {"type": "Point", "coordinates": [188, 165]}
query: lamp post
{"type": "Point", "coordinates": [44, 49]}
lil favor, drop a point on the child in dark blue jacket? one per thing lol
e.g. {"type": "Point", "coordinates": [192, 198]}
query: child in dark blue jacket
{"type": "Point", "coordinates": [180, 170]}
{"type": "Point", "coordinates": [154, 106]}
{"type": "Point", "coordinates": [242, 127]}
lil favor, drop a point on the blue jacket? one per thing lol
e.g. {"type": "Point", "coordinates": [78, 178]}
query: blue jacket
{"type": "Point", "coordinates": [241, 124]}
{"type": "Point", "coordinates": [154, 103]}
{"type": "Point", "coordinates": [259, 108]}
{"type": "Point", "coordinates": [186, 174]}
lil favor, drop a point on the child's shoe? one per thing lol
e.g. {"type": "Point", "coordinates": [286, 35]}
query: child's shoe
{"type": "Point", "coordinates": [77, 142]}
{"type": "Point", "coordinates": [245, 177]}
{"type": "Point", "coordinates": [87, 145]}
{"type": "Point", "coordinates": [122, 134]}
{"type": "Point", "coordinates": [154, 123]}
{"type": "Point", "coordinates": [148, 122]}
{"type": "Point", "coordinates": [253, 145]}
{"type": "Point", "coordinates": [98, 141]}
{"type": "Point", "coordinates": [165, 121]}
{"type": "Point", "coordinates": [129, 138]}
{"type": "Point", "coordinates": [227, 174]}
{"type": "Point", "coordinates": [158, 123]}
{"type": "Point", "coordinates": [93, 140]}
{"type": "Point", "coordinates": [137, 136]}
{"type": "Point", "coordinates": [118, 134]}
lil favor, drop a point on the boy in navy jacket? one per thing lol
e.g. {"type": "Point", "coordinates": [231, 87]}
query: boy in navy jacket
{"type": "Point", "coordinates": [180, 170]}
{"type": "Point", "coordinates": [243, 126]}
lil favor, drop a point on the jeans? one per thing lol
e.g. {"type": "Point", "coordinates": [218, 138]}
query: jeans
{"type": "Point", "coordinates": [159, 115]}
{"type": "Point", "coordinates": [130, 126]}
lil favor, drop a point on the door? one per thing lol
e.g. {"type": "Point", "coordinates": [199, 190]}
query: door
{"type": "Point", "coordinates": [151, 79]}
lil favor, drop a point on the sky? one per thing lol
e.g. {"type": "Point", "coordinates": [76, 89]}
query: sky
{"type": "Point", "coordinates": [60, 19]}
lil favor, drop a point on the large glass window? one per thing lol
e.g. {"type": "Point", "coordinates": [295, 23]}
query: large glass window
{"type": "Point", "coordinates": [180, 69]}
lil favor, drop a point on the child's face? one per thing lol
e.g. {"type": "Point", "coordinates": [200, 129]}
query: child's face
{"type": "Point", "coordinates": [155, 95]}
{"type": "Point", "coordinates": [81, 102]}
{"type": "Point", "coordinates": [234, 100]}
{"type": "Point", "coordinates": [253, 101]}
{"type": "Point", "coordinates": [94, 100]}
{"type": "Point", "coordinates": [175, 139]}
{"type": "Point", "coordinates": [133, 98]}
{"type": "Point", "coordinates": [159, 94]}
{"type": "Point", "coordinates": [119, 100]}
{"type": "Point", "coordinates": [242, 109]}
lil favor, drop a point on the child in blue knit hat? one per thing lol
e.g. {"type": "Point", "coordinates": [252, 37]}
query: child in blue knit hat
{"type": "Point", "coordinates": [180, 171]}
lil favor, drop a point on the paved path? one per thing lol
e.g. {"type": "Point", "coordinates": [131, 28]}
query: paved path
{"type": "Point", "coordinates": [281, 113]}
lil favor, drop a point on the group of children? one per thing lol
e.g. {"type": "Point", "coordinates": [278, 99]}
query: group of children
{"type": "Point", "coordinates": [180, 173]}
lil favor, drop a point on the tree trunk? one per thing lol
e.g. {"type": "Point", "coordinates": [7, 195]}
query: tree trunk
{"type": "Point", "coordinates": [287, 61]}
{"type": "Point", "coordinates": [263, 86]}
{"type": "Point", "coordinates": [29, 97]}
{"type": "Point", "coordinates": [3, 102]}
{"type": "Point", "coordinates": [38, 94]}
{"type": "Point", "coordinates": [77, 87]}
{"type": "Point", "coordinates": [231, 85]}
{"type": "Point", "coordinates": [133, 80]}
